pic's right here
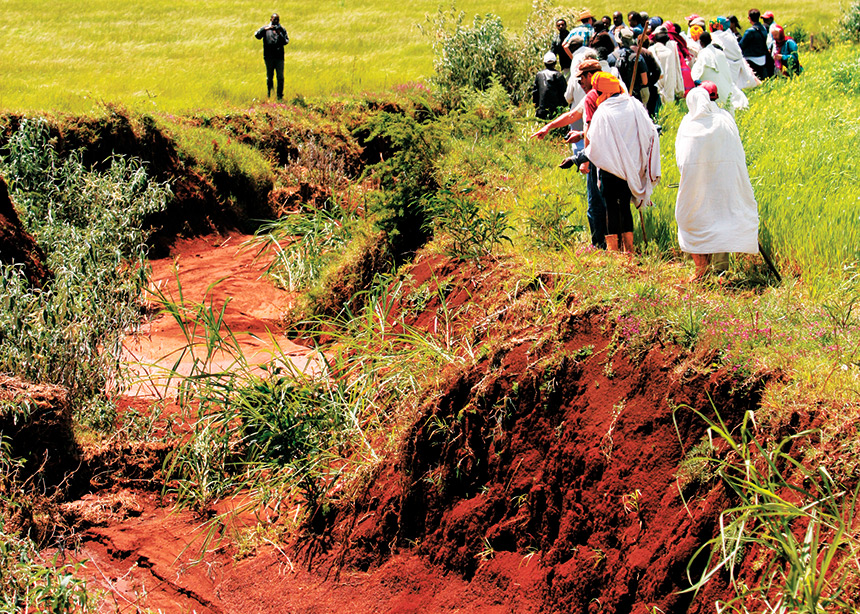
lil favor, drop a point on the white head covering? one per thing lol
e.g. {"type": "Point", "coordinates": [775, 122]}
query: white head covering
{"type": "Point", "coordinates": [716, 209]}
{"type": "Point", "coordinates": [700, 105]}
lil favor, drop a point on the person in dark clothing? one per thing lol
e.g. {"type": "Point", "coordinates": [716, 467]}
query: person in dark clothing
{"type": "Point", "coordinates": [556, 46]}
{"type": "Point", "coordinates": [274, 37]}
{"type": "Point", "coordinates": [548, 89]}
{"type": "Point", "coordinates": [654, 73]}
{"type": "Point", "coordinates": [754, 47]}
{"type": "Point", "coordinates": [602, 41]}
{"type": "Point", "coordinates": [735, 26]}
{"type": "Point", "coordinates": [624, 60]}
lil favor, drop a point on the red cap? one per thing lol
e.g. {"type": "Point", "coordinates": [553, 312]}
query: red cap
{"type": "Point", "coordinates": [711, 88]}
{"type": "Point", "coordinates": [691, 18]}
{"type": "Point", "coordinates": [768, 15]}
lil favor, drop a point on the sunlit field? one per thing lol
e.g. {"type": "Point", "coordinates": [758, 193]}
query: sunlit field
{"type": "Point", "coordinates": [155, 55]}
{"type": "Point", "coordinates": [174, 55]}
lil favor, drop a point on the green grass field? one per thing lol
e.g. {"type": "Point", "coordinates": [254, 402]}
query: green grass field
{"type": "Point", "coordinates": [159, 55]}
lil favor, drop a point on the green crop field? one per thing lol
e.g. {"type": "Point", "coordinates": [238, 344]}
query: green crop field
{"type": "Point", "coordinates": [160, 55]}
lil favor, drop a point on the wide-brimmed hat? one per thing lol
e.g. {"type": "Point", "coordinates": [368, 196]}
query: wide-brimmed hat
{"type": "Point", "coordinates": [585, 14]}
{"type": "Point", "coordinates": [625, 36]}
{"type": "Point", "coordinates": [586, 66]}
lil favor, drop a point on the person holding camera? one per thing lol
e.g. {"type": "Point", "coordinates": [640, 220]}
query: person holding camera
{"type": "Point", "coordinates": [274, 37]}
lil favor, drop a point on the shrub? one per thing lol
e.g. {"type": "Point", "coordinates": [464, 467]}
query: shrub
{"type": "Point", "coordinates": [474, 232]}
{"type": "Point", "coordinates": [849, 23]}
{"type": "Point", "coordinates": [483, 113]}
{"type": "Point", "coordinates": [89, 225]}
{"type": "Point", "coordinates": [550, 222]}
{"type": "Point", "coordinates": [407, 177]}
{"type": "Point", "coordinates": [471, 56]}
{"type": "Point", "coordinates": [27, 585]}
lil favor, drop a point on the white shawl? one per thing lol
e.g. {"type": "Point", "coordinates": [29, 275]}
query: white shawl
{"type": "Point", "coordinates": [742, 74]}
{"type": "Point", "coordinates": [623, 141]}
{"type": "Point", "coordinates": [712, 65]}
{"type": "Point", "coordinates": [716, 209]}
{"type": "Point", "coordinates": [671, 82]}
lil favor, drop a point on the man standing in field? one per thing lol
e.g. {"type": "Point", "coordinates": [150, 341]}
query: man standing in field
{"type": "Point", "coordinates": [754, 47]}
{"type": "Point", "coordinates": [274, 38]}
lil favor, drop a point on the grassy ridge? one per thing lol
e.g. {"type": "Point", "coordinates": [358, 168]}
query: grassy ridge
{"type": "Point", "coordinates": [171, 56]}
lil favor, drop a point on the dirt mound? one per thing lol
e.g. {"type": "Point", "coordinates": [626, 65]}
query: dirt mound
{"type": "Point", "coordinates": [540, 479]}
{"type": "Point", "coordinates": [36, 419]}
{"type": "Point", "coordinates": [17, 246]}
{"type": "Point", "coordinates": [550, 467]}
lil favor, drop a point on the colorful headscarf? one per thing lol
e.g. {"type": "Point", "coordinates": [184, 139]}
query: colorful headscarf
{"type": "Point", "coordinates": [725, 23]}
{"type": "Point", "coordinates": [696, 32]}
{"type": "Point", "coordinates": [605, 85]}
{"type": "Point", "coordinates": [777, 33]}
{"type": "Point", "coordinates": [714, 24]}
{"type": "Point", "coordinates": [680, 41]}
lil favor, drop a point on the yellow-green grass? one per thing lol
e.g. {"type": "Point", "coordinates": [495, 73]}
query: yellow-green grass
{"type": "Point", "coordinates": [182, 54]}
{"type": "Point", "coordinates": [179, 55]}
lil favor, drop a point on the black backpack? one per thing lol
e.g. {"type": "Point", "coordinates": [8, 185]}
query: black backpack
{"type": "Point", "coordinates": [624, 64]}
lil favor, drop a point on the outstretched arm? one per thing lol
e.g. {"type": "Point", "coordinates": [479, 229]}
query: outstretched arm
{"type": "Point", "coordinates": [565, 119]}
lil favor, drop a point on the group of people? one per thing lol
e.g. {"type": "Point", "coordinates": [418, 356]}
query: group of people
{"type": "Point", "coordinates": [667, 59]}
{"type": "Point", "coordinates": [614, 75]}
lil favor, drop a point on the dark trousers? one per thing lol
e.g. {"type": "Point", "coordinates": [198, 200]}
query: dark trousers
{"type": "Point", "coordinates": [616, 195]}
{"type": "Point", "coordinates": [759, 71]}
{"type": "Point", "coordinates": [272, 66]}
{"type": "Point", "coordinates": [596, 209]}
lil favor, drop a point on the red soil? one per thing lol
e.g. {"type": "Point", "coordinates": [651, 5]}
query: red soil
{"type": "Point", "coordinates": [17, 246]}
{"type": "Point", "coordinates": [227, 275]}
{"type": "Point", "coordinates": [541, 480]}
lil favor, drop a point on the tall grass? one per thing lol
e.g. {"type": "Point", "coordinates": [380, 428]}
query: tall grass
{"type": "Point", "coordinates": [162, 55]}
{"type": "Point", "coordinates": [800, 137]}
{"type": "Point", "coordinates": [89, 224]}
{"type": "Point", "coordinates": [303, 245]}
{"type": "Point", "coordinates": [157, 55]}
{"type": "Point", "coordinates": [795, 520]}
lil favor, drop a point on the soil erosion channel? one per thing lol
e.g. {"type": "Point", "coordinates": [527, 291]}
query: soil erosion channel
{"type": "Point", "coordinates": [542, 478]}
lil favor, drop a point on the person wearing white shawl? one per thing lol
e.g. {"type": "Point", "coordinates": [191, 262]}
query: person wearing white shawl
{"type": "Point", "coordinates": [670, 85]}
{"type": "Point", "coordinates": [623, 143]}
{"type": "Point", "coordinates": [716, 209]}
{"type": "Point", "coordinates": [712, 65]}
{"type": "Point", "coordinates": [742, 75]}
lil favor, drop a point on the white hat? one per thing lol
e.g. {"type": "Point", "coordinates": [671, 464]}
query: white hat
{"type": "Point", "coordinates": [549, 58]}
